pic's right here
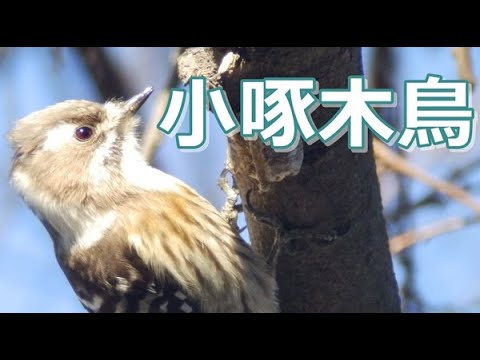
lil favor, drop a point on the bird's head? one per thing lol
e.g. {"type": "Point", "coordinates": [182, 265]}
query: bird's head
{"type": "Point", "coordinates": [76, 148]}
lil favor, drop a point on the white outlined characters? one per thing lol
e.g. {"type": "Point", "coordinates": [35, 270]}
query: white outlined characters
{"type": "Point", "coordinates": [437, 114]}
{"type": "Point", "coordinates": [278, 110]}
{"type": "Point", "coordinates": [356, 114]}
{"type": "Point", "coordinates": [198, 136]}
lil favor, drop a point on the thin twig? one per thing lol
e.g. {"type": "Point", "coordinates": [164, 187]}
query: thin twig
{"type": "Point", "coordinates": [464, 64]}
{"type": "Point", "coordinates": [433, 197]}
{"type": "Point", "coordinates": [402, 166]}
{"type": "Point", "coordinates": [152, 136]}
{"type": "Point", "coordinates": [400, 242]}
{"type": "Point", "coordinates": [381, 169]}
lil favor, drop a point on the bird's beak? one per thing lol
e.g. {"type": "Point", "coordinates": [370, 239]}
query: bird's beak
{"type": "Point", "coordinates": [132, 105]}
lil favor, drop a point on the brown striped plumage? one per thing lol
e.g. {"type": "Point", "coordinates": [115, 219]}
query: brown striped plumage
{"type": "Point", "coordinates": [130, 238]}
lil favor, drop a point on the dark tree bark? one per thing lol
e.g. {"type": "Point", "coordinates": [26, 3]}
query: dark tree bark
{"type": "Point", "coordinates": [315, 190]}
{"type": "Point", "coordinates": [383, 71]}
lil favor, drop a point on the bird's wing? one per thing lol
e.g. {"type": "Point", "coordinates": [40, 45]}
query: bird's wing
{"type": "Point", "coordinates": [168, 298]}
{"type": "Point", "coordinates": [133, 292]}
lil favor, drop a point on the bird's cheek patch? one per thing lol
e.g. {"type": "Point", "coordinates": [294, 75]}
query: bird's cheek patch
{"type": "Point", "coordinates": [59, 136]}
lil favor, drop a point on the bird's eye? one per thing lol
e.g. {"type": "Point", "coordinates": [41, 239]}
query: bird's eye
{"type": "Point", "coordinates": [83, 133]}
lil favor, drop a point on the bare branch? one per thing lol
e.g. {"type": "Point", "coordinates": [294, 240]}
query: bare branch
{"type": "Point", "coordinates": [433, 197]}
{"type": "Point", "coordinates": [402, 166]}
{"type": "Point", "coordinates": [152, 136]}
{"type": "Point", "coordinates": [464, 64]}
{"type": "Point", "coordinates": [104, 72]}
{"type": "Point", "coordinates": [401, 242]}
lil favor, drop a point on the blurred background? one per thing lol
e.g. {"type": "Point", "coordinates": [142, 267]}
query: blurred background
{"type": "Point", "coordinates": [438, 274]}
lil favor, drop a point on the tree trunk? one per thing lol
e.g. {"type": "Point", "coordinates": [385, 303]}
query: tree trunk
{"type": "Point", "coordinates": [316, 191]}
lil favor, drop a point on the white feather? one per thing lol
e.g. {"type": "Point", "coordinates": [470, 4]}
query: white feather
{"type": "Point", "coordinates": [93, 231]}
{"type": "Point", "coordinates": [59, 136]}
{"type": "Point", "coordinates": [77, 226]}
{"type": "Point", "coordinates": [93, 305]}
{"type": "Point", "coordinates": [138, 173]}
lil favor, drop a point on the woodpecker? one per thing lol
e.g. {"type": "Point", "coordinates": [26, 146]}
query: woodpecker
{"type": "Point", "coordinates": [129, 237]}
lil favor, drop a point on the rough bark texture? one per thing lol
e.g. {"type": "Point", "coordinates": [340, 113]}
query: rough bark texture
{"type": "Point", "coordinates": [334, 192]}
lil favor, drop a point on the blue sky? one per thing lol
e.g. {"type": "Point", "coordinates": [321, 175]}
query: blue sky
{"type": "Point", "coordinates": [31, 280]}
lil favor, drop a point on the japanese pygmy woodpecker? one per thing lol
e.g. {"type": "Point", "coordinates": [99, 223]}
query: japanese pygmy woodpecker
{"type": "Point", "coordinates": [129, 237]}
